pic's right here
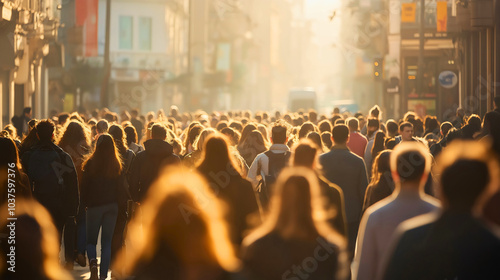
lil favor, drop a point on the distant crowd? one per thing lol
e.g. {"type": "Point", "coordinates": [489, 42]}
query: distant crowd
{"type": "Point", "coordinates": [252, 195]}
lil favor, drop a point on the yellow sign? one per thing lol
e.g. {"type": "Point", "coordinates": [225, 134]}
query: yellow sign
{"type": "Point", "coordinates": [408, 12]}
{"type": "Point", "coordinates": [441, 16]}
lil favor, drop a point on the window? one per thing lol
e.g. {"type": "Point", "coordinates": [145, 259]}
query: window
{"type": "Point", "coordinates": [126, 32]}
{"type": "Point", "coordinates": [145, 33]}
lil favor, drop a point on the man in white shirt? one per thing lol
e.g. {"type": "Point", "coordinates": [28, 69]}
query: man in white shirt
{"type": "Point", "coordinates": [410, 167]}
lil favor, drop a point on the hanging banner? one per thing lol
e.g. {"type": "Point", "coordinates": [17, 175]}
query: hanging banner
{"type": "Point", "coordinates": [441, 16]}
{"type": "Point", "coordinates": [408, 12]}
{"type": "Point", "coordinates": [86, 12]}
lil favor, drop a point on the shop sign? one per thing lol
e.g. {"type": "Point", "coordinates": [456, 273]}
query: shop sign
{"type": "Point", "coordinates": [448, 79]}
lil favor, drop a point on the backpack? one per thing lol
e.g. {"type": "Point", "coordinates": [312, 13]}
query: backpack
{"type": "Point", "coordinates": [277, 161]}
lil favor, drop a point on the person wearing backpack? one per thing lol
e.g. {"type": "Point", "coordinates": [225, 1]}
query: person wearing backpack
{"type": "Point", "coordinates": [54, 182]}
{"type": "Point", "coordinates": [267, 165]}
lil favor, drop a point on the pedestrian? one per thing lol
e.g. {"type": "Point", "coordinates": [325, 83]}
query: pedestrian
{"type": "Point", "coordinates": [410, 165]}
{"type": "Point", "coordinates": [295, 241]}
{"type": "Point", "coordinates": [306, 154]}
{"type": "Point", "coordinates": [267, 165]}
{"type": "Point", "coordinates": [348, 171]}
{"type": "Point", "coordinates": [381, 184]}
{"type": "Point", "coordinates": [10, 164]}
{"type": "Point", "coordinates": [100, 183]}
{"type": "Point", "coordinates": [75, 141]}
{"type": "Point", "coordinates": [223, 174]}
{"type": "Point", "coordinates": [54, 183]}
{"type": "Point", "coordinates": [357, 141]}
{"type": "Point", "coordinates": [132, 141]}
{"type": "Point", "coordinates": [145, 167]}
{"type": "Point", "coordinates": [454, 243]}
{"type": "Point", "coordinates": [36, 248]}
{"type": "Point", "coordinates": [180, 236]}
{"type": "Point", "coordinates": [123, 192]}
{"type": "Point", "coordinates": [21, 122]}
{"type": "Point", "coordinates": [253, 145]}
{"type": "Point", "coordinates": [193, 158]}
{"type": "Point", "coordinates": [378, 145]}
{"type": "Point", "coordinates": [372, 129]}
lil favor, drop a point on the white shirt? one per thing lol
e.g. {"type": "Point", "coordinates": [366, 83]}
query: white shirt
{"type": "Point", "coordinates": [379, 224]}
{"type": "Point", "coordinates": [260, 165]}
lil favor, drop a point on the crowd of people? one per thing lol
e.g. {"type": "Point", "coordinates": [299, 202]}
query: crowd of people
{"type": "Point", "coordinates": [242, 195]}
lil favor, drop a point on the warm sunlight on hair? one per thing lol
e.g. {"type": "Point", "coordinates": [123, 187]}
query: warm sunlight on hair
{"type": "Point", "coordinates": [179, 213]}
{"type": "Point", "coordinates": [296, 207]}
{"type": "Point", "coordinates": [46, 257]}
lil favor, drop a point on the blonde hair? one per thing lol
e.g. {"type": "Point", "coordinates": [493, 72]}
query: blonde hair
{"type": "Point", "coordinates": [179, 209]}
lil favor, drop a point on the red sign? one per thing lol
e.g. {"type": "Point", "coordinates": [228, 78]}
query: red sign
{"type": "Point", "coordinates": [86, 14]}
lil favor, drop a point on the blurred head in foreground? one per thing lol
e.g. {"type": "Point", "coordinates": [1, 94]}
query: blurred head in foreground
{"type": "Point", "coordinates": [182, 230]}
{"type": "Point", "coordinates": [468, 175]}
{"type": "Point", "coordinates": [36, 243]}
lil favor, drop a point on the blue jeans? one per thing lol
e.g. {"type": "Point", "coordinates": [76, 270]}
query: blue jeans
{"type": "Point", "coordinates": [101, 216]}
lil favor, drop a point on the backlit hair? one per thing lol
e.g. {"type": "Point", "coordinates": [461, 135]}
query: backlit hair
{"type": "Point", "coordinates": [179, 209]}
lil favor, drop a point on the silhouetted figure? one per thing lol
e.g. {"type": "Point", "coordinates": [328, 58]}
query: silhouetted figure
{"type": "Point", "coordinates": [306, 154]}
{"type": "Point", "coordinates": [220, 169]}
{"type": "Point", "coordinates": [381, 184]}
{"type": "Point", "coordinates": [145, 167]}
{"type": "Point", "coordinates": [295, 241]}
{"type": "Point", "coordinates": [452, 244]}
{"type": "Point", "coordinates": [54, 182]}
{"type": "Point", "coordinates": [37, 244]}
{"type": "Point", "coordinates": [181, 235]}
{"type": "Point", "coordinates": [410, 166]}
{"type": "Point", "coordinates": [348, 171]}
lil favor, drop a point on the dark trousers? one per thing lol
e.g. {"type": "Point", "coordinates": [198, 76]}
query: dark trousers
{"type": "Point", "coordinates": [67, 226]}
{"type": "Point", "coordinates": [119, 234]}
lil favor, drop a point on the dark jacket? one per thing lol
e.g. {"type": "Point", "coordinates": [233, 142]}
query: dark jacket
{"type": "Point", "coordinates": [453, 246]}
{"type": "Point", "coordinates": [348, 171]}
{"type": "Point", "coordinates": [146, 165]}
{"type": "Point", "coordinates": [123, 190]}
{"type": "Point", "coordinates": [271, 257]}
{"type": "Point", "coordinates": [53, 178]}
{"type": "Point", "coordinates": [139, 126]}
{"type": "Point", "coordinates": [97, 190]}
{"type": "Point", "coordinates": [334, 200]}
{"type": "Point", "coordinates": [240, 198]}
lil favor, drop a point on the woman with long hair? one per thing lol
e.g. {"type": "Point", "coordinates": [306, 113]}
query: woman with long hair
{"type": "Point", "coordinates": [123, 193]}
{"type": "Point", "coordinates": [381, 185]}
{"type": "Point", "coordinates": [132, 139]}
{"type": "Point", "coordinates": [192, 159]}
{"type": "Point", "coordinates": [37, 246]}
{"type": "Point", "coordinates": [246, 131]}
{"type": "Point", "coordinates": [181, 235]}
{"type": "Point", "coordinates": [378, 144]}
{"type": "Point", "coordinates": [253, 145]}
{"type": "Point", "coordinates": [296, 228]}
{"type": "Point", "coordinates": [100, 183]}
{"type": "Point", "coordinates": [192, 133]}
{"type": "Point", "coordinates": [75, 141]}
{"type": "Point", "coordinates": [306, 154]}
{"type": "Point", "coordinates": [223, 174]}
